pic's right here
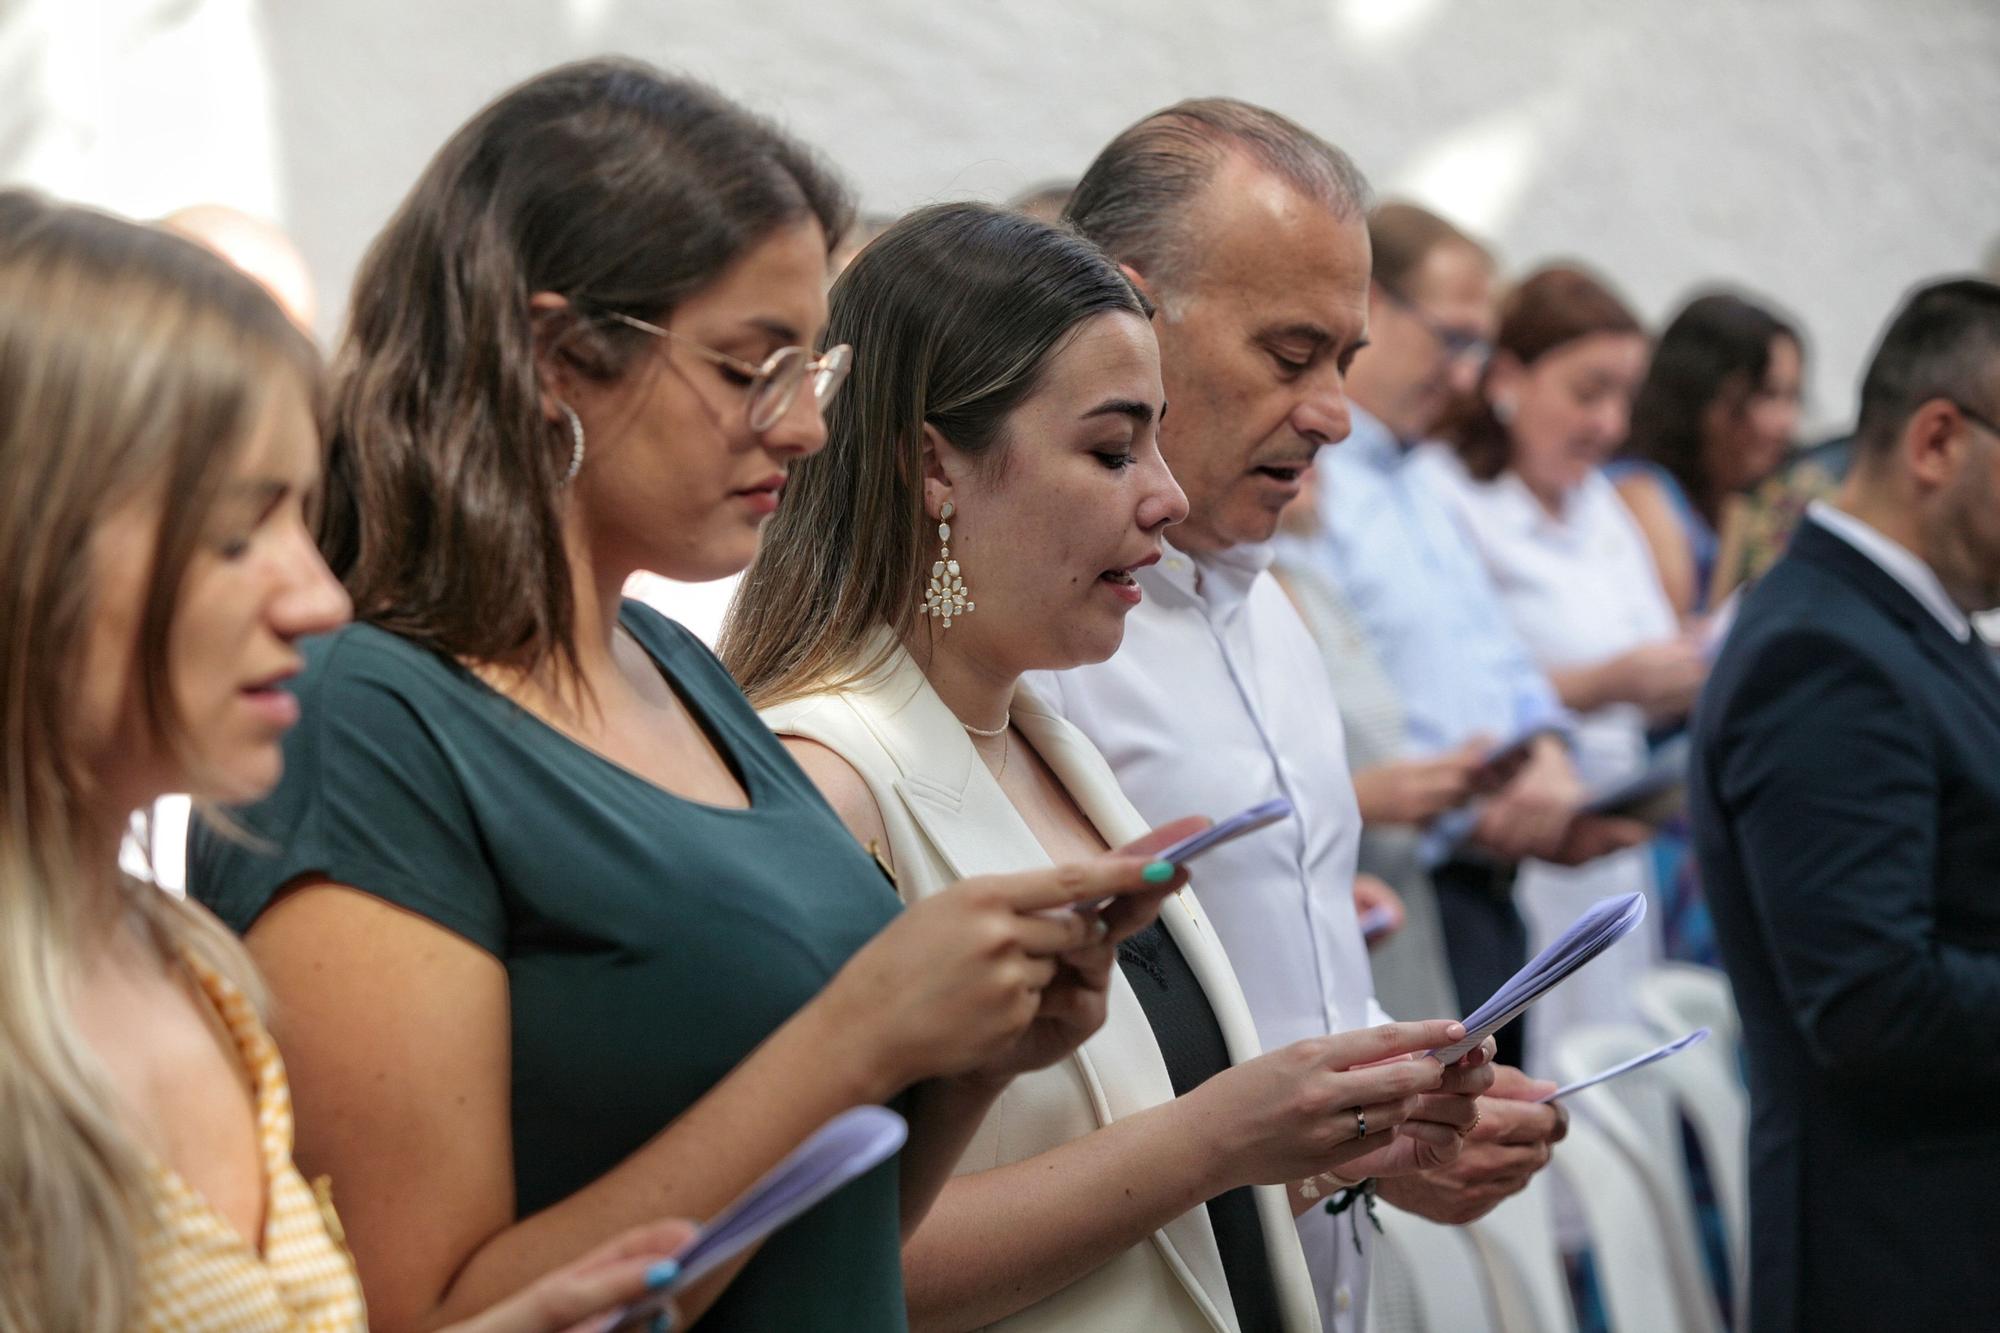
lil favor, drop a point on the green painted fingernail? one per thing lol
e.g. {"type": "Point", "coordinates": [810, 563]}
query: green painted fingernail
{"type": "Point", "coordinates": [1159, 872]}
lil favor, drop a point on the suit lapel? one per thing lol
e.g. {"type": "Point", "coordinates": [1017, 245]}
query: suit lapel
{"type": "Point", "coordinates": [1970, 664]}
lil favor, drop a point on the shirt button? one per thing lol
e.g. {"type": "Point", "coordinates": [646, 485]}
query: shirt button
{"type": "Point", "coordinates": [1343, 1301]}
{"type": "Point", "coordinates": [1174, 565]}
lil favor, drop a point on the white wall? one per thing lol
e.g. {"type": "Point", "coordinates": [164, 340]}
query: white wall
{"type": "Point", "coordinates": [1826, 152]}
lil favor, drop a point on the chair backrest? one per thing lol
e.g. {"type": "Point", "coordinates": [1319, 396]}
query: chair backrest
{"type": "Point", "coordinates": [1634, 1274]}
{"type": "Point", "coordinates": [1677, 997]}
{"type": "Point", "coordinates": [1524, 1259]}
{"type": "Point", "coordinates": [1674, 998]}
{"type": "Point", "coordinates": [1639, 1114]}
{"type": "Point", "coordinates": [1448, 1275]}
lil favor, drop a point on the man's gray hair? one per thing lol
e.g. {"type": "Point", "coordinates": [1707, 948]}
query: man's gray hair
{"type": "Point", "coordinates": [1135, 198]}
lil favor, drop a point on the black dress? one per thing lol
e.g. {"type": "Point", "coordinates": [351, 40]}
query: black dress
{"type": "Point", "coordinates": [1191, 1042]}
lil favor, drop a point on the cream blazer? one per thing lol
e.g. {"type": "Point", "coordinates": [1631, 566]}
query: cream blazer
{"type": "Point", "coordinates": [947, 819]}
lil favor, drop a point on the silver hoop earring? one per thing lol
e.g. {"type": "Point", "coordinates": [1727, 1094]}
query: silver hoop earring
{"type": "Point", "coordinates": [945, 597]}
{"type": "Point", "coordinates": [576, 434]}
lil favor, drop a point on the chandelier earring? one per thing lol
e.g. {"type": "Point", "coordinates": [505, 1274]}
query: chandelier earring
{"type": "Point", "coordinates": [946, 596]}
{"type": "Point", "coordinates": [576, 436]}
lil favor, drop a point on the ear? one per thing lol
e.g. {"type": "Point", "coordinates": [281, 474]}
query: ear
{"type": "Point", "coordinates": [550, 318]}
{"type": "Point", "coordinates": [1379, 300]}
{"type": "Point", "coordinates": [1933, 444]}
{"type": "Point", "coordinates": [1504, 377]}
{"type": "Point", "coordinates": [1138, 279]}
{"type": "Point", "coordinates": [941, 463]}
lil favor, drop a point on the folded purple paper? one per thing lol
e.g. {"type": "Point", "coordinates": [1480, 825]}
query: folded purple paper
{"type": "Point", "coordinates": [1601, 926]}
{"type": "Point", "coordinates": [850, 1145]}
{"type": "Point", "coordinates": [1654, 1056]}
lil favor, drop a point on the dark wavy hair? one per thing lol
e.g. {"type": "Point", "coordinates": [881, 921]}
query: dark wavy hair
{"type": "Point", "coordinates": [618, 187]}
{"type": "Point", "coordinates": [954, 312]}
{"type": "Point", "coordinates": [1717, 349]}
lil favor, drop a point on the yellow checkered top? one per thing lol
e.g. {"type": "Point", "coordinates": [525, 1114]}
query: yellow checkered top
{"type": "Point", "coordinates": [197, 1273]}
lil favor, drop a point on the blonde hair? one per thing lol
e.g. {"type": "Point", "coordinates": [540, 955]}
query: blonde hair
{"type": "Point", "coordinates": [132, 363]}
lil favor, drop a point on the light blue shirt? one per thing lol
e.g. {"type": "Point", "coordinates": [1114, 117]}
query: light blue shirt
{"type": "Point", "coordinates": [1425, 599]}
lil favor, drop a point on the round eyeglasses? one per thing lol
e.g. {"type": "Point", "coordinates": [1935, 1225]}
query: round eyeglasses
{"type": "Point", "coordinates": [774, 386]}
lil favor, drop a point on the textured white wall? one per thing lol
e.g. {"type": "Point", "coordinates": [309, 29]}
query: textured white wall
{"type": "Point", "coordinates": [1826, 152]}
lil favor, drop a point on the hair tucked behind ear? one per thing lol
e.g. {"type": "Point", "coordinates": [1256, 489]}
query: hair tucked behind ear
{"type": "Point", "coordinates": [133, 364]}
{"type": "Point", "coordinates": [952, 313]}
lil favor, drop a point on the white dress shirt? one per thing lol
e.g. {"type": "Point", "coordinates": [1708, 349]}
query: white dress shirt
{"type": "Point", "coordinates": [1218, 700]}
{"type": "Point", "coordinates": [1578, 588]}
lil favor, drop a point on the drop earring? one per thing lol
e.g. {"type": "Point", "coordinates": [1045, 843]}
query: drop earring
{"type": "Point", "coordinates": [946, 597]}
{"type": "Point", "coordinates": [575, 434]}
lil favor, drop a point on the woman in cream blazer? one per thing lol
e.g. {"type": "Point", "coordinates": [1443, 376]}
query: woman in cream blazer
{"type": "Point", "coordinates": [1000, 436]}
{"type": "Point", "coordinates": [947, 818]}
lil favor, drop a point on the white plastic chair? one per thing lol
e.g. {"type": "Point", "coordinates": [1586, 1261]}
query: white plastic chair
{"type": "Point", "coordinates": [1524, 1262]}
{"type": "Point", "coordinates": [1676, 998]}
{"type": "Point", "coordinates": [1451, 1286]}
{"type": "Point", "coordinates": [1638, 1113]}
{"type": "Point", "coordinates": [1634, 1276]}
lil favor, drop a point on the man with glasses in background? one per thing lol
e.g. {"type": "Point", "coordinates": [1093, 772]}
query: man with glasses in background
{"type": "Point", "coordinates": [1427, 607]}
{"type": "Point", "coordinates": [1846, 802]}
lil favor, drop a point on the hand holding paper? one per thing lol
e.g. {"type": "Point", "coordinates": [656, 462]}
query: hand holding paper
{"type": "Point", "coordinates": [1675, 1047]}
{"type": "Point", "coordinates": [1602, 926]}
{"type": "Point", "coordinates": [846, 1147]}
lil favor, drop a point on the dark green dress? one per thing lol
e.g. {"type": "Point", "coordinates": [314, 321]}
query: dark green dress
{"type": "Point", "coordinates": [650, 942]}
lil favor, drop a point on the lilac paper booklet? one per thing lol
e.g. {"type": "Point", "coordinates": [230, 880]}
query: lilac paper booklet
{"type": "Point", "coordinates": [851, 1144]}
{"type": "Point", "coordinates": [1674, 1047]}
{"type": "Point", "coordinates": [1602, 925]}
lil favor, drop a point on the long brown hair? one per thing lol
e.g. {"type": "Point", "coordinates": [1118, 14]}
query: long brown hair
{"type": "Point", "coordinates": [623, 190]}
{"type": "Point", "coordinates": [1547, 309]}
{"type": "Point", "coordinates": [133, 364]}
{"type": "Point", "coordinates": [1717, 349]}
{"type": "Point", "coordinates": [952, 312]}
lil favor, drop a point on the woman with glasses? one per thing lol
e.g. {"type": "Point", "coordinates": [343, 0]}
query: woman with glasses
{"type": "Point", "coordinates": [561, 936]}
{"type": "Point", "coordinates": [156, 575]}
{"type": "Point", "coordinates": [1523, 475]}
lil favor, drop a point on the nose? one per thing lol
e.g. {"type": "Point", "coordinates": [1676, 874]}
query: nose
{"type": "Point", "coordinates": [1463, 376]}
{"type": "Point", "coordinates": [801, 431]}
{"type": "Point", "coordinates": [1164, 502]}
{"type": "Point", "coordinates": [1615, 421]}
{"type": "Point", "coordinates": [309, 598]}
{"type": "Point", "coordinates": [1322, 414]}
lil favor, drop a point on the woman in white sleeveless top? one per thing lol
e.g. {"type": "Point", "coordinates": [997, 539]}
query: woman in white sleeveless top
{"type": "Point", "coordinates": [991, 479]}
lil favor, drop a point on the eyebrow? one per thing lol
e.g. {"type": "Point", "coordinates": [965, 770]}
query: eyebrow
{"type": "Point", "coordinates": [264, 491]}
{"type": "Point", "coordinates": [778, 329]}
{"type": "Point", "coordinates": [1140, 413]}
{"type": "Point", "coordinates": [1302, 332]}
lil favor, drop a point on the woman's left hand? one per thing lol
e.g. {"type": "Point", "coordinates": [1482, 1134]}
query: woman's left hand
{"type": "Point", "coordinates": [578, 1298]}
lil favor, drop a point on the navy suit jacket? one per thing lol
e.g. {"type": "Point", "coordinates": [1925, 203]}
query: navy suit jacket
{"type": "Point", "coordinates": [1846, 801]}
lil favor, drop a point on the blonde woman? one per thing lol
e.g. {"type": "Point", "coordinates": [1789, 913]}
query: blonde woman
{"type": "Point", "coordinates": [158, 445]}
{"type": "Point", "coordinates": [997, 463]}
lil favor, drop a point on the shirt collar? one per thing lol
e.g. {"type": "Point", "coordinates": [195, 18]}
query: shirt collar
{"type": "Point", "coordinates": [1898, 562]}
{"type": "Point", "coordinates": [1371, 442]}
{"type": "Point", "coordinates": [1220, 579]}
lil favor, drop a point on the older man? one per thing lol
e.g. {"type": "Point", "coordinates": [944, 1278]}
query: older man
{"type": "Point", "coordinates": [1846, 795]}
{"type": "Point", "coordinates": [1247, 233]}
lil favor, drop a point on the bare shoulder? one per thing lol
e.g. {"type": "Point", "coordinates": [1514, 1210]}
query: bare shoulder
{"type": "Point", "coordinates": [844, 788]}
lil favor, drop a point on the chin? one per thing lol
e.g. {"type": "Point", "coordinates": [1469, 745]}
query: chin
{"type": "Point", "coordinates": [242, 778]}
